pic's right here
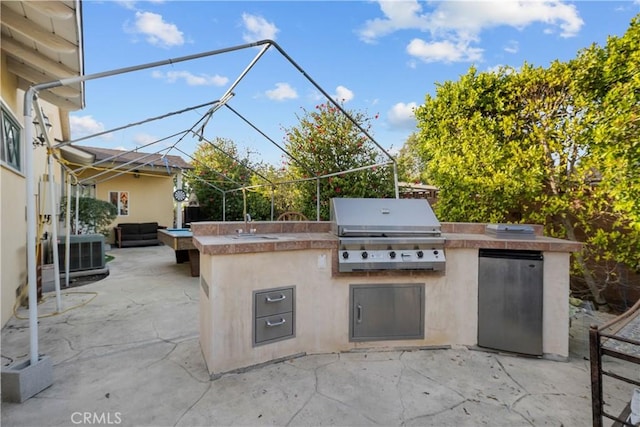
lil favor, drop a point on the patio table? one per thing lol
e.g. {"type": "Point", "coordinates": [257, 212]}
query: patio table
{"type": "Point", "coordinates": [181, 241]}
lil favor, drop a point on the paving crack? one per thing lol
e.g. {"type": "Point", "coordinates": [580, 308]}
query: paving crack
{"type": "Point", "coordinates": [509, 375]}
{"type": "Point", "coordinates": [189, 297]}
{"type": "Point", "coordinates": [402, 371]}
{"type": "Point", "coordinates": [304, 405]}
{"type": "Point", "coordinates": [339, 402]}
{"type": "Point", "coordinates": [123, 347]}
{"type": "Point", "coordinates": [450, 408]}
{"type": "Point", "coordinates": [70, 345]}
{"type": "Point", "coordinates": [513, 408]}
{"type": "Point", "coordinates": [186, 411]}
{"type": "Point", "coordinates": [442, 384]}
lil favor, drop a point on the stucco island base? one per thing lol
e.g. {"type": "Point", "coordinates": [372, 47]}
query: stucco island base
{"type": "Point", "coordinates": [232, 271]}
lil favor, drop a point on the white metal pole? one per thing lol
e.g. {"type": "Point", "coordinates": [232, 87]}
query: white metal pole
{"type": "Point", "coordinates": [318, 199]}
{"type": "Point", "coordinates": [77, 220]}
{"type": "Point", "coordinates": [273, 197]}
{"type": "Point", "coordinates": [395, 180]}
{"type": "Point", "coordinates": [67, 226]}
{"type": "Point", "coordinates": [178, 203]}
{"type": "Point", "coordinates": [54, 232]}
{"type": "Point", "coordinates": [31, 226]}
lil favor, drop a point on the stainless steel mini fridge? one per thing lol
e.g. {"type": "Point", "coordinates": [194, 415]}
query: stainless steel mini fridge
{"type": "Point", "coordinates": [510, 289]}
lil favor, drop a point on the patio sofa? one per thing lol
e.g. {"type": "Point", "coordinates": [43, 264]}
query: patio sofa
{"type": "Point", "coordinates": [137, 234]}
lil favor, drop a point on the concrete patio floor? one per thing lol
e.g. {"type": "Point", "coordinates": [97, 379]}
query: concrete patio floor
{"type": "Point", "coordinates": [125, 352]}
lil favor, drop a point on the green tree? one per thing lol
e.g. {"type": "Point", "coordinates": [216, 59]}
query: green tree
{"type": "Point", "coordinates": [467, 146]}
{"type": "Point", "coordinates": [519, 146]}
{"type": "Point", "coordinates": [326, 141]}
{"type": "Point", "coordinates": [410, 166]}
{"type": "Point", "coordinates": [285, 191]}
{"type": "Point", "coordinates": [219, 168]}
{"type": "Point", "coordinates": [612, 75]}
{"type": "Point", "coordinates": [94, 215]}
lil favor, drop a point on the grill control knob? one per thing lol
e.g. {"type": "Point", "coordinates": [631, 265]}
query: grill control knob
{"type": "Point", "coordinates": [365, 255]}
{"type": "Point", "coordinates": [436, 252]}
{"type": "Point", "coordinates": [392, 254]}
{"type": "Point", "coordinates": [420, 254]}
{"type": "Point", "coordinates": [345, 254]}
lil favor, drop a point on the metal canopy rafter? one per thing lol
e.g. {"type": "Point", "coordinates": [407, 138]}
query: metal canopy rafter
{"type": "Point", "coordinates": [222, 175]}
{"type": "Point", "coordinates": [265, 44]}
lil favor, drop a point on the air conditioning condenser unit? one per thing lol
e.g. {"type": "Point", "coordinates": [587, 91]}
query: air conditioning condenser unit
{"type": "Point", "coordinates": [86, 252]}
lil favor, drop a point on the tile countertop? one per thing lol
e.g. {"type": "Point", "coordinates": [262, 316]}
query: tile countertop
{"type": "Point", "coordinates": [217, 238]}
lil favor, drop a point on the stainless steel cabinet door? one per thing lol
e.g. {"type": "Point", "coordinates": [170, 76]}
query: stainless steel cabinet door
{"type": "Point", "coordinates": [386, 312]}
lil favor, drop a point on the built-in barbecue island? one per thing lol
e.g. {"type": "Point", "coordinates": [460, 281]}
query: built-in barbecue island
{"type": "Point", "coordinates": [384, 273]}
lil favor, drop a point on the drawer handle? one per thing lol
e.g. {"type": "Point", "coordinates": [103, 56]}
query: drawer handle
{"type": "Point", "coordinates": [282, 297]}
{"type": "Point", "coordinates": [281, 322]}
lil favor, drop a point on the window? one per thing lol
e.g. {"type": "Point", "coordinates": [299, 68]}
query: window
{"type": "Point", "coordinates": [85, 190]}
{"type": "Point", "coordinates": [121, 200]}
{"type": "Point", "coordinates": [10, 151]}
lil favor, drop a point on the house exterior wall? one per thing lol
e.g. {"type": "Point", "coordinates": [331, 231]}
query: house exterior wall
{"type": "Point", "coordinates": [13, 251]}
{"type": "Point", "coordinates": [13, 197]}
{"type": "Point", "coordinates": [150, 197]}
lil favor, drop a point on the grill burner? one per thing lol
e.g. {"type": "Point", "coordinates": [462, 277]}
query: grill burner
{"type": "Point", "coordinates": [387, 234]}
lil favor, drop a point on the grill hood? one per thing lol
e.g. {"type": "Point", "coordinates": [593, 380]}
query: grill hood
{"type": "Point", "coordinates": [383, 217]}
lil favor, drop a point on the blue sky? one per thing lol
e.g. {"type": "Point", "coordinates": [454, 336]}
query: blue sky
{"type": "Point", "coordinates": [377, 57]}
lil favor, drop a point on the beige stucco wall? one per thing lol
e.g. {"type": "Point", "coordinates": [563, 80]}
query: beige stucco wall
{"type": "Point", "coordinates": [322, 305]}
{"type": "Point", "coordinates": [555, 304]}
{"type": "Point", "coordinates": [13, 252]}
{"type": "Point", "coordinates": [13, 225]}
{"type": "Point", "coordinates": [150, 197]}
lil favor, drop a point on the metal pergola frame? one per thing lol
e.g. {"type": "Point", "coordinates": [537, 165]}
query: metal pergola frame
{"type": "Point", "coordinates": [31, 99]}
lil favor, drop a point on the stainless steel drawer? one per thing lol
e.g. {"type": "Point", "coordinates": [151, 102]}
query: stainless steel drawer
{"type": "Point", "coordinates": [270, 328]}
{"type": "Point", "coordinates": [273, 302]}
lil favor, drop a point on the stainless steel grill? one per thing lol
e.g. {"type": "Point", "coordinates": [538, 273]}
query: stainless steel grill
{"type": "Point", "coordinates": [387, 234]}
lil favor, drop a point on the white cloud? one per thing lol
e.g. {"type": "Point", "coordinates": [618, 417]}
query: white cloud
{"type": "Point", "coordinates": [343, 94]}
{"type": "Point", "coordinates": [399, 15]}
{"type": "Point", "coordinates": [401, 115]}
{"type": "Point", "coordinates": [131, 4]}
{"type": "Point", "coordinates": [495, 69]}
{"type": "Point", "coordinates": [142, 139]}
{"type": "Point", "coordinates": [191, 79]}
{"type": "Point", "coordinates": [157, 31]}
{"type": "Point", "coordinates": [127, 4]}
{"type": "Point", "coordinates": [474, 16]}
{"type": "Point", "coordinates": [257, 28]}
{"type": "Point", "coordinates": [443, 51]}
{"type": "Point", "coordinates": [512, 46]}
{"type": "Point", "coordinates": [282, 92]}
{"type": "Point", "coordinates": [454, 25]}
{"type": "Point", "coordinates": [471, 17]}
{"type": "Point", "coordinates": [86, 126]}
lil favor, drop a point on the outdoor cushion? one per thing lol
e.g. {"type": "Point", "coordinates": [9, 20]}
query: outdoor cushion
{"type": "Point", "coordinates": [129, 228]}
{"type": "Point", "coordinates": [148, 227]}
{"type": "Point", "coordinates": [137, 234]}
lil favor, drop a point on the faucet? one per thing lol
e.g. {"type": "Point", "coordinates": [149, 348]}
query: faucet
{"type": "Point", "coordinates": [247, 219]}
